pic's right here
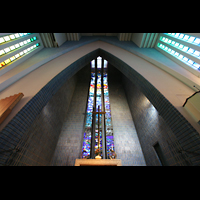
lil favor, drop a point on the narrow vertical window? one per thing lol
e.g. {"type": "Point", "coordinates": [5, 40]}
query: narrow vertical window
{"type": "Point", "coordinates": [102, 99]}
{"type": "Point", "coordinates": [160, 155]}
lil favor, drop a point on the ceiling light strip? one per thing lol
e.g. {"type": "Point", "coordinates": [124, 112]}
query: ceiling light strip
{"type": "Point", "coordinates": [8, 38]}
{"type": "Point", "coordinates": [185, 38]}
{"type": "Point", "coordinates": [179, 56]}
{"type": "Point", "coordinates": [181, 47]}
{"type": "Point", "coordinates": [16, 46]}
{"type": "Point", "coordinates": [19, 55]}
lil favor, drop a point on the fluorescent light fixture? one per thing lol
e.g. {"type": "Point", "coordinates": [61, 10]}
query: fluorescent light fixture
{"type": "Point", "coordinates": [190, 62]}
{"type": "Point", "coordinates": [7, 61]}
{"type": "Point", "coordinates": [172, 52]}
{"type": "Point", "coordinates": [2, 64]}
{"type": "Point", "coordinates": [169, 41]}
{"type": "Point", "coordinates": [191, 39]}
{"type": "Point", "coordinates": [166, 39]}
{"type": "Point", "coordinates": [196, 53]}
{"type": "Point", "coordinates": [185, 48]}
{"type": "Point", "coordinates": [176, 54]}
{"type": "Point", "coordinates": [169, 50]}
{"type": "Point", "coordinates": [17, 55]}
{"type": "Point", "coordinates": [196, 65]}
{"type": "Point", "coordinates": [12, 47]}
{"type": "Point", "coordinates": [186, 37]}
{"type": "Point", "coordinates": [190, 50]}
{"type": "Point", "coordinates": [21, 53]}
{"type": "Point", "coordinates": [17, 35]}
{"type": "Point", "coordinates": [176, 45]}
{"type": "Point", "coordinates": [12, 58]}
{"type": "Point", "coordinates": [2, 40]}
{"type": "Point", "coordinates": [197, 41]}
{"type": "Point", "coordinates": [12, 37]}
{"type": "Point", "coordinates": [2, 52]}
{"type": "Point", "coordinates": [16, 45]}
{"type": "Point", "coordinates": [180, 56]}
{"type": "Point", "coordinates": [6, 38]}
{"type": "Point", "coordinates": [163, 38]}
{"type": "Point", "coordinates": [185, 59]}
{"type": "Point", "coordinates": [173, 42]}
{"type": "Point", "coordinates": [7, 49]}
{"type": "Point", "coordinates": [181, 36]}
{"type": "Point", "coordinates": [181, 46]}
{"type": "Point", "coordinates": [21, 43]}
{"type": "Point", "coordinates": [177, 34]}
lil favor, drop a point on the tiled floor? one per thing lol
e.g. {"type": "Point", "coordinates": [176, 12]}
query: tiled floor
{"type": "Point", "coordinates": [126, 141]}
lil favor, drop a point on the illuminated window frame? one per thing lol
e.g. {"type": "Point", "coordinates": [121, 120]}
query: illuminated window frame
{"type": "Point", "coordinates": [16, 46]}
{"type": "Point", "coordinates": [185, 38]}
{"type": "Point", "coordinates": [19, 55]}
{"type": "Point", "coordinates": [11, 37]}
{"type": "Point", "coordinates": [179, 56]}
{"type": "Point", "coordinates": [181, 47]}
{"type": "Point", "coordinates": [100, 60]}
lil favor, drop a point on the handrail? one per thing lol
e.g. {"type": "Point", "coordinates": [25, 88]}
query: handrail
{"type": "Point", "coordinates": [191, 96]}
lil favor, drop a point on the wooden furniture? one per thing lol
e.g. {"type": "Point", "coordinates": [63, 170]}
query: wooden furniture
{"type": "Point", "coordinates": [98, 162]}
{"type": "Point", "coordinates": [7, 104]}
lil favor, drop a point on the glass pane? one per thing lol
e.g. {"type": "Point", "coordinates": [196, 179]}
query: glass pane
{"type": "Point", "coordinates": [6, 38]}
{"type": "Point", "coordinates": [12, 37]}
{"type": "Point", "coordinates": [2, 52]}
{"type": "Point", "coordinates": [7, 49]}
{"type": "Point", "coordinates": [2, 40]}
{"type": "Point", "coordinates": [17, 35]}
{"type": "Point", "coordinates": [191, 39]}
{"type": "Point", "coordinates": [93, 63]}
{"type": "Point", "coordinates": [99, 62]}
{"type": "Point", "coordinates": [108, 121]}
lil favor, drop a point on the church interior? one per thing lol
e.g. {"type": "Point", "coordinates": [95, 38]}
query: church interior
{"type": "Point", "coordinates": [121, 99]}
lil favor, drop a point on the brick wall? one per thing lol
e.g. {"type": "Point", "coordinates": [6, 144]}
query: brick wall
{"type": "Point", "coordinates": [151, 128]}
{"type": "Point", "coordinates": [70, 141]}
{"type": "Point", "coordinates": [19, 131]}
{"type": "Point", "coordinates": [186, 139]}
{"type": "Point", "coordinates": [182, 139]}
{"type": "Point", "coordinates": [127, 144]}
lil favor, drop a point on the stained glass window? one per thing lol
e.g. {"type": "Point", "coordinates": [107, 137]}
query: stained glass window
{"type": "Point", "coordinates": [102, 98]}
{"type": "Point", "coordinates": [88, 124]}
{"type": "Point", "coordinates": [108, 119]}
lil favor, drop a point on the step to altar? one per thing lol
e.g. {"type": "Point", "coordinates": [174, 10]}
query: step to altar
{"type": "Point", "coordinates": [98, 162]}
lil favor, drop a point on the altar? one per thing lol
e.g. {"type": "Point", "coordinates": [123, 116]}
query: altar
{"type": "Point", "coordinates": [98, 162]}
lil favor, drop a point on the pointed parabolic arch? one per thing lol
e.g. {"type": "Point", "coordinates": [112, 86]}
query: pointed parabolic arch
{"type": "Point", "coordinates": [144, 75]}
